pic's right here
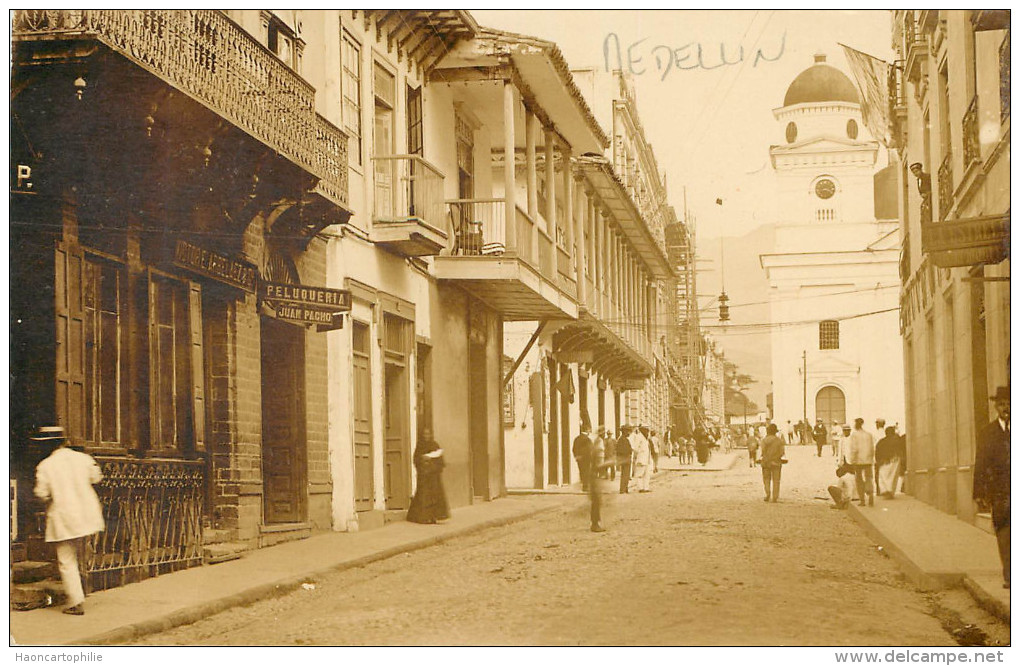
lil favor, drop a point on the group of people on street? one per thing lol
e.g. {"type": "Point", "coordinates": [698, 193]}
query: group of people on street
{"type": "Point", "coordinates": [633, 453]}
{"type": "Point", "coordinates": [874, 468]}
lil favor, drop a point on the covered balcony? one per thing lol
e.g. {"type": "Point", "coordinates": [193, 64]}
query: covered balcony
{"type": "Point", "coordinates": [512, 268]}
{"type": "Point", "coordinates": [149, 79]}
{"type": "Point", "coordinates": [410, 215]}
{"type": "Point", "coordinates": [512, 223]}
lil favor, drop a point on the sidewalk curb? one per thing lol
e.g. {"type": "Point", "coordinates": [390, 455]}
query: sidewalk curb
{"type": "Point", "coordinates": [278, 588]}
{"type": "Point", "coordinates": [924, 580]}
{"type": "Point", "coordinates": [986, 600]}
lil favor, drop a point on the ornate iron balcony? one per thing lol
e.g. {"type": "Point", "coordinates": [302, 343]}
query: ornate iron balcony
{"type": "Point", "coordinates": [971, 138]}
{"type": "Point", "coordinates": [1004, 79]}
{"type": "Point", "coordinates": [206, 55]}
{"type": "Point", "coordinates": [966, 242]}
{"type": "Point", "coordinates": [946, 187]}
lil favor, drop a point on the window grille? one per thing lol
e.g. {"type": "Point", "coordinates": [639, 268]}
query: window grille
{"type": "Point", "coordinates": [828, 334]}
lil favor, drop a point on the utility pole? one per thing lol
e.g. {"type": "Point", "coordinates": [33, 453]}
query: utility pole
{"type": "Point", "coordinates": [804, 372]}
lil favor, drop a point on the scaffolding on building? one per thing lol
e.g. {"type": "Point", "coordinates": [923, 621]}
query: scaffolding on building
{"type": "Point", "coordinates": [686, 336]}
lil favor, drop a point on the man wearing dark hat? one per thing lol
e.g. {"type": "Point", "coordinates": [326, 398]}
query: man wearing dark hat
{"type": "Point", "coordinates": [64, 481]}
{"type": "Point", "coordinates": [991, 474]}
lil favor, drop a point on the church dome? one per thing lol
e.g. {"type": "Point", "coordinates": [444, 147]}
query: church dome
{"type": "Point", "coordinates": [821, 83]}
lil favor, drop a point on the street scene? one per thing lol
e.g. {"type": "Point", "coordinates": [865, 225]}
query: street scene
{"type": "Point", "coordinates": [510, 328]}
{"type": "Point", "coordinates": [699, 561]}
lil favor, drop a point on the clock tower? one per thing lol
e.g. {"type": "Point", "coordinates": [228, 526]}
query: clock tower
{"type": "Point", "coordinates": [833, 277]}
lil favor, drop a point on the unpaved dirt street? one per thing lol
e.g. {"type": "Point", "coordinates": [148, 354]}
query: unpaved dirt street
{"type": "Point", "coordinates": [699, 561]}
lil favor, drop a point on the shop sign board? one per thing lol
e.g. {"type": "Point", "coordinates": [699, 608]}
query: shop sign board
{"type": "Point", "coordinates": [307, 306]}
{"type": "Point", "coordinates": [215, 265]}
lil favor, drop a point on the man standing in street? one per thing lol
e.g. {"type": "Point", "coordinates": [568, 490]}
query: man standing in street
{"type": "Point", "coordinates": [624, 452]}
{"type": "Point", "coordinates": [772, 452]}
{"type": "Point", "coordinates": [819, 435]}
{"type": "Point", "coordinates": [642, 459]}
{"type": "Point", "coordinates": [860, 452]}
{"type": "Point", "coordinates": [582, 454]}
{"type": "Point", "coordinates": [598, 461]}
{"type": "Point", "coordinates": [64, 481]}
{"type": "Point", "coordinates": [991, 475]}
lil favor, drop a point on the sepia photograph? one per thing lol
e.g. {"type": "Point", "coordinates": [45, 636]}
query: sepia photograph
{"type": "Point", "coordinates": [480, 328]}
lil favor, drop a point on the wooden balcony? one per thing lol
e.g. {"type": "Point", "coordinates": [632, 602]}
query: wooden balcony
{"type": "Point", "coordinates": [213, 61]}
{"type": "Point", "coordinates": [916, 45]}
{"type": "Point", "coordinates": [967, 242]}
{"type": "Point", "coordinates": [409, 208]}
{"type": "Point", "coordinates": [513, 270]}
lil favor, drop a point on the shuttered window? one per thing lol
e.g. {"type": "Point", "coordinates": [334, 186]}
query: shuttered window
{"type": "Point", "coordinates": [351, 92]}
{"type": "Point", "coordinates": [70, 341]}
{"type": "Point", "coordinates": [102, 285]}
{"type": "Point", "coordinates": [176, 370]}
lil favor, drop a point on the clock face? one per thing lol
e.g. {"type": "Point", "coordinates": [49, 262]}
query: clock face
{"type": "Point", "coordinates": [825, 188]}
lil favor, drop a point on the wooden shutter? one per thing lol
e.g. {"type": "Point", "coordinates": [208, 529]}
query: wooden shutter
{"type": "Point", "coordinates": [197, 365]}
{"type": "Point", "coordinates": [70, 341]}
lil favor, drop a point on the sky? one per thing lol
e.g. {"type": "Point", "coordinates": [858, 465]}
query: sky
{"type": "Point", "coordinates": [710, 124]}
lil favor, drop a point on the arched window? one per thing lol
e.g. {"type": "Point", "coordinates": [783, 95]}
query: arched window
{"type": "Point", "coordinates": [791, 132]}
{"type": "Point", "coordinates": [830, 405]}
{"type": "Point", "coordinates": [828, 334]}
{"type": "Point", "coordinates": [851, 128]}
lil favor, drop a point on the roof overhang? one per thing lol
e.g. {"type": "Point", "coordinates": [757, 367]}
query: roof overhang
{"type": "Point", "coordinates": [546, 76]}
{"type": "Point", "coordinates": [614, 195]}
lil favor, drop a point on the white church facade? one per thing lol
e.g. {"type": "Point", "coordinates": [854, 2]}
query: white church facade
{"type": "Point", "coordinates": [833, 276]}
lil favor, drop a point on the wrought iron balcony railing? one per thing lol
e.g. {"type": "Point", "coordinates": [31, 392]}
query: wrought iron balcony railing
{"type": "Point", "coordinates": [407, 187]}
{"type": "Point", "coordinates": [946, 187]}
{"type": "Point", "coordinates": [1004, 78]}
{"type": "Point", "coordinates": [971, 136]}
{"type": "Point", "coordinates": [206, 55]}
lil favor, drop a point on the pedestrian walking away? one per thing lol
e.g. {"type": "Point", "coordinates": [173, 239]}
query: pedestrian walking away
{"type": "Point", "coordinates": [429, 503]}
{"type": "Point", "coordinates": [772, 460]}
{"type": "Point", "coordinates": [64, 481]}
{"type": "Point", "coordinates": [598, 463]}
{"type": "Point", "coordinates": [624, 452]}
{"type": "Point", "coordinates": [860, 452]}
{"type": "Point", "coordinates": [819, 435]}
{"type": "Point", "coordinates": [582, 454]}
{"type": "Point", "coordinates": [991, 475]}
{"type": "Point", "coordinates": [752, 450]}
{"type": "Point", "coordinates": [889, 455]}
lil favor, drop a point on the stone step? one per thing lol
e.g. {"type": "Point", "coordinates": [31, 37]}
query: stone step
{"type": "Point", "coordinates": [213, 536]}
{"type": "Point", "coordinates": [19, 552]}
{"type": "Point", "coordinates": [223, 552]}
{"type": "Point", "coordinates": [394, 516]}
{"type": "Point", "coordinates": [45, 593]}
{"type": "Point", "coordinates": [30, 571]}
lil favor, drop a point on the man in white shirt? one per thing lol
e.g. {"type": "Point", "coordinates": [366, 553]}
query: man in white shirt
{"type": "Point", "coordinates": [860, 452]}
{"type": "Point", "coordinates": [64, 481]}
{"type": "Point", "coordinates": [642, 459]}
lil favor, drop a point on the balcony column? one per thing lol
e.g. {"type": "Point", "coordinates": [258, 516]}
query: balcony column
{"type": "Point", "coordinates": [581, 255]}
{"type": "Point", "coordinates": [606, 265]}
{"type": "Point", "coordinates": [509, 175]}
{"type": "Point", "coordinates": [550, 183]}
{"type": "Point", "coordinates": [531, 141]}
{"type": "Point", "coordinates": [569, 236]}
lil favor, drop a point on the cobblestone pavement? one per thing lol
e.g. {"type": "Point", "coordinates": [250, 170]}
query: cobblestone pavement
{"type": "Point", "coordinates": [699, 561]}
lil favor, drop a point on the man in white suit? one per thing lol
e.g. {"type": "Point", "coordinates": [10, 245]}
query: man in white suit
{"type": "Point", "coordinates": [64, 481]}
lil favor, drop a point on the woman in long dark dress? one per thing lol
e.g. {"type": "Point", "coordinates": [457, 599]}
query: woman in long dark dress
{"type": "Point", "coordinates": [429, 503]}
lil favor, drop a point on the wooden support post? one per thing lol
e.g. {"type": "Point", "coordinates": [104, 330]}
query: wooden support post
{"type": "Point", "coordinates": [509, 175]}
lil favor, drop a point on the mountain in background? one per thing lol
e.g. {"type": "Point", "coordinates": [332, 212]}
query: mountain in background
{"type": "Point", "coordinates": [748, 289]}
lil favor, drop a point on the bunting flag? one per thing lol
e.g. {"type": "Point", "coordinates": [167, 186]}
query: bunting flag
{"type": "Point", "coordinates": [872, 76]}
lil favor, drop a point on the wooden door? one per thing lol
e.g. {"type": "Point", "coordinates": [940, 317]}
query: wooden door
{"type": "Point", "coordinates": [364, 468]}
{"type": "Point", "coordinates": [397, 445]}
{"type": "Point", "coordinates": [830, 405]}
{"type": "Point", "coordinates": [282, 421]}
